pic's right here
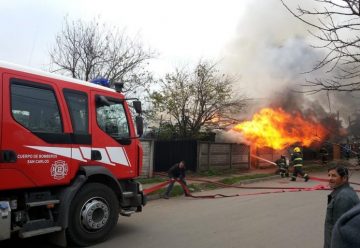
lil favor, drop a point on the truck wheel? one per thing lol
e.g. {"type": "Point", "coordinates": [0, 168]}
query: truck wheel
{"type": "Point", "coordinates": [93, 213]}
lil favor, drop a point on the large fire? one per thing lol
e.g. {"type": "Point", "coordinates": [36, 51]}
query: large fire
{"type": "Point", "coordinates": [278, 129]}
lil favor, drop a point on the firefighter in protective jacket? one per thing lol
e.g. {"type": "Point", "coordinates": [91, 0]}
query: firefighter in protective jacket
{"type": "Point", "coordinates": [297, 163]}
{"type": "Point", "coordinates": [283, 166]}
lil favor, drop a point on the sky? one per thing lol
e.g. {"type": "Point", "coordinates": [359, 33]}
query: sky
{"type": "Point", "coordinates": [180, 31]}
{"type": "Point", "coordinates": [259, 42]}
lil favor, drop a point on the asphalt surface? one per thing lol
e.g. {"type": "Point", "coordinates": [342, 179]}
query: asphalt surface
{"type": "Point", "coordinates": [274, 220]}
{"type": "Point", "coordinates": [290, 219]}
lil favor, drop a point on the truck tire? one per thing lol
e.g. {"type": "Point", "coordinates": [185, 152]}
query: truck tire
{"type": "Point", "coordinates": [93, 214]}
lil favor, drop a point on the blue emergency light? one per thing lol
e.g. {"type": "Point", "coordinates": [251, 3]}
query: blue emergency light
{"type": "Point", "coordinates": [101, 81]}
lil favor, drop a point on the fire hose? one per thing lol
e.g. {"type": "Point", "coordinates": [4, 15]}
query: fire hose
{"type": "Point", "coordinates": [277, 189]}
{"type": "Point", "coordinates": [223, 185]}
{"type": "Point", "coordinates": [313, 178]}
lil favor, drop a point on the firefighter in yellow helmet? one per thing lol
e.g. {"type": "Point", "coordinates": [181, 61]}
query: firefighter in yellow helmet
{"type": "Point", "coordinates": [296, 160]}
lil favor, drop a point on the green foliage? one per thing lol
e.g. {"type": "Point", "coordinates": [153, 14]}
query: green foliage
{"type": "Point", "coordinates": [189, 100]}
{"type": "Point", "coordinates": [218, 172]}
{"type": "Point", "coordinates": [166, 131]}
{"type": "Point", "coordinates": [151, 180]}
{"type": "Point", "coordinates": [209, 173]}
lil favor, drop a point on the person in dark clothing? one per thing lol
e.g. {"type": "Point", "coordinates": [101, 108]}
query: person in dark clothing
{"type": "Point", "coordinates": [283, 167]}
{"type": "Point", "coordinates": [346, 230]}
{"type": "Point", "coordinates": [176, 172]}
{"type": "Point", "coordinates": [297, 162]}
{"type": "Point", "coordinates": [324, 155]}
{"type": "Point", "coordinates": [341, 199]}
{"type": "Point", "coordinates": [347, 150]}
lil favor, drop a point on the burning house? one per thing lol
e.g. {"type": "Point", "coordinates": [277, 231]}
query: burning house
{"type": "Point", "coordinates": [273, 131]}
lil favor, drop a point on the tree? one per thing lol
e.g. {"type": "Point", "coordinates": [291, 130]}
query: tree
{"type": "Point", "coordinates": [91, 50]}
{"type": "Point", "coordinates": [337, 23]}
{"type": "Point", "coordinates": [192, 99]}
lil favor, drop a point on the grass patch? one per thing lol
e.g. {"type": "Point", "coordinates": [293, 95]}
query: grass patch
{"type": "Point", "coordinates": [217, 172]}
{"type": "Point", "coordinates": [208, 173]}
{"type": "Point", "coordinates": [238, 179]}
{"type": "Point", "coordinates": [197, 187]}
{"type": "Point", "coordinates": [228, 179]}
{"type": "Point", "coordinates": [204, 186]}
{"type": "Point", "coordinates": [177, 189]}
{"type": "Point", "coordinates": [151, 180]}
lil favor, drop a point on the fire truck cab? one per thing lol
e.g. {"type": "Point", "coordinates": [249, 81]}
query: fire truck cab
{"type": "Point", "coordinates": [69, 153]}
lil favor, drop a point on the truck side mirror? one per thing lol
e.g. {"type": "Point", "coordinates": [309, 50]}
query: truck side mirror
{"type": "Point", "coordinates": [137, 106]}
{"type": "Point", "coordinates": [139, 125]}
{"type": "Point", "coordinates": [118, 86]}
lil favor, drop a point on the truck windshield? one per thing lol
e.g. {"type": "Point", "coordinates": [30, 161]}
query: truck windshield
{"type": "Point", "coordinates": [111, 118]}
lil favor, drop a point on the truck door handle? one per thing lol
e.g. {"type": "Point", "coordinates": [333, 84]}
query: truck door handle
{"type": "Point", "coordinates": [95, 155]}
{"type": "Point", "coordinates": [7, 156]}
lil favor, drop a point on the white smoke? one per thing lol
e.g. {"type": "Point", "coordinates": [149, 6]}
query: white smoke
{"type": "Point", "coordinates": [230, 136]}
{"type": "Point", "coordinates": [272, 53]}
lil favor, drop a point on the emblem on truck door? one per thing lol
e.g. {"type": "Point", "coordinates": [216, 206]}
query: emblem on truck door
{"type": "Point", "coordinates": [59, 169]}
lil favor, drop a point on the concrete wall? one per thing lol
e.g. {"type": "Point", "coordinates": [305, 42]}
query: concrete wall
{"type": "Point", "coordinates": [148, 158]}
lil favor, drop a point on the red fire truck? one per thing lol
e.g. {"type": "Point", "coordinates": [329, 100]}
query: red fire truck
{"type": "Point", "coordinates": [69, 153]}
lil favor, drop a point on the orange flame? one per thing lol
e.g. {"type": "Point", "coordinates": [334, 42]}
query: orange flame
{"type": "Point", "coordinates": [278, 129]}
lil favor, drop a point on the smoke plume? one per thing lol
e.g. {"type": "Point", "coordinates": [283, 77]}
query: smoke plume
{"type": "Point", "coordinates": [272, 54]}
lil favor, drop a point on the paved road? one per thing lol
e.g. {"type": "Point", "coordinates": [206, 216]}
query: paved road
{"type": "Point", "coordinates": [281, 220]}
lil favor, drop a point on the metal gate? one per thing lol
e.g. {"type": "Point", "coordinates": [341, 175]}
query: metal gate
{"type": "Point", "coordinates": [167, 153]}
